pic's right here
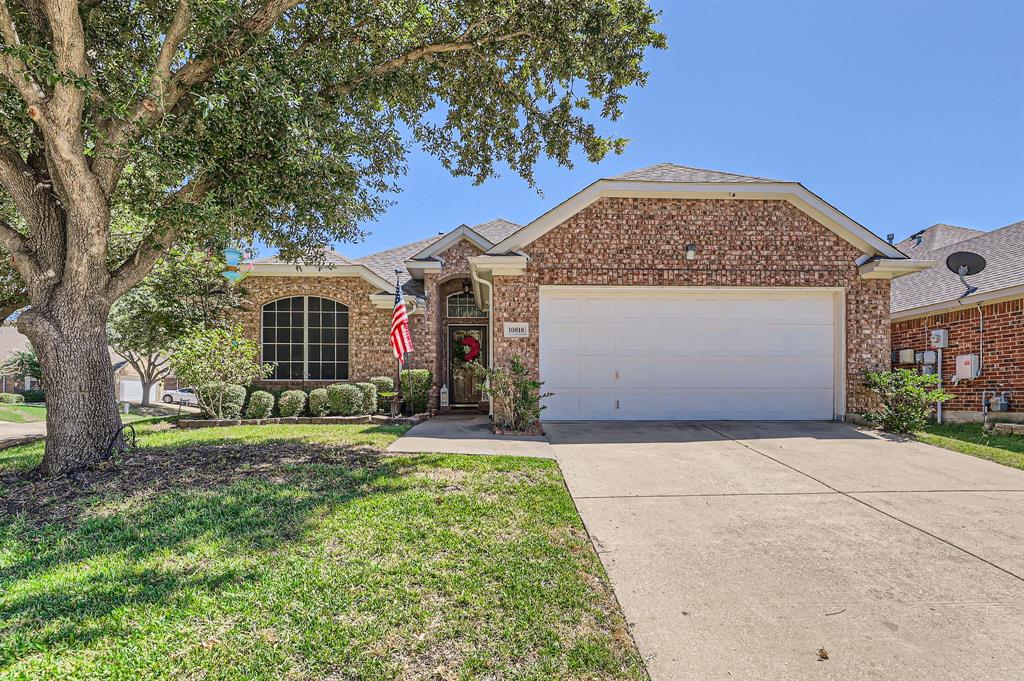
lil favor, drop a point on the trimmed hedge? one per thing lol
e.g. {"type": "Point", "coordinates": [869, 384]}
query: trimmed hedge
{"type": "Point", "coordinates": [319, 402]}
{"type": "Point", "coordinates": [33, 395]}
{"type": "Point", "coordinates": [416, 389]}
{"type": "Point", "coordinates": [11, 398]}
{"type": "Point", "coordinates": [384, 384]}
{"type": "Point", "coordinates": [346, 399]}
{"type": "Point", "coordinates": [292, 403]}
{"type": "Point", "coordinates": [231, 401]}
{"type": "Point", "coordinates": [261, 405]}
{"type": "Point", "coordinates": [369, 391]}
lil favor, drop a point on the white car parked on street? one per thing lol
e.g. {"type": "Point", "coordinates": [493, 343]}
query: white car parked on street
{"type": "Point", "coordinates": [185, 396]}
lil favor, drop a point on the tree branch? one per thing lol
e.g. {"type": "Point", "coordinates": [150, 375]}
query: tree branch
{"type": "Point", "coordinates": [13, 68]}
{"type": "Point", "coordinates": [153, 246]}
{"type": "Point", "coordinates": [166, 89]}
{"type": "Point", "coordinates": [423, 52]}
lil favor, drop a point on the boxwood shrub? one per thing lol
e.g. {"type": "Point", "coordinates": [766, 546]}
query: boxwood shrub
{"type": "Point", "coordinates": [416, 389]}
{"type": "Point", "coordinates": [11, 398]}
{"type": "Point", "coordinates": [319, 402]}
{"type": "Point", "coordinates": [346, 399]}
{"type": "Point", "coordinates": [261, 405]}
{"type": "Point", "coordinates": [33, 395]}
{"type": "Point", "coordinates": [292, 403]}
{"type": "Point", "coordinates": [369, 391]}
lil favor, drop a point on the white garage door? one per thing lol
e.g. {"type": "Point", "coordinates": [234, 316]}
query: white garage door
{"type": "Point", "coordinates": [736, 354]}
{"type": "Point", "coordinates": [131, 391]}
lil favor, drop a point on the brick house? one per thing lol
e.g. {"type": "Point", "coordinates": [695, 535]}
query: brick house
{"type": "Point", "coordinates": [988, 323]}
{"type": "Point", "coordinates": [663, 293]}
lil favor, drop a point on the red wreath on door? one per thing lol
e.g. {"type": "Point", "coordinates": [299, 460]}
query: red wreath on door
{"type": "Point", "coordinates": [472, 348]}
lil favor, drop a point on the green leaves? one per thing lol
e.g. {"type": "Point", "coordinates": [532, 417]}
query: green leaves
{"type": "Point", "coordinates": [907, 399]}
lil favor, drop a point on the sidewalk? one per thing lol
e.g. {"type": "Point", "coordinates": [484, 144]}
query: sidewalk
{"type": "Point", "coordinates": [470, 434]}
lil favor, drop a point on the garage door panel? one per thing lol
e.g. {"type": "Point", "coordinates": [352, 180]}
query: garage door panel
{"type": "Point", "coordinates": [664, 354]}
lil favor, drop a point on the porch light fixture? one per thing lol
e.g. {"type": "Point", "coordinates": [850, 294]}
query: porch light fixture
{"type": "Point", "coordinates": [691, 251]}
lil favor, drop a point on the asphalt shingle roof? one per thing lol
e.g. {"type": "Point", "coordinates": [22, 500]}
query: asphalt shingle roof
{"type": "Point", "coordinates": [331, 257]}
{"type": "Point", "coordinates": [1003, 250]}
{"type": "Point", "coordinates": [670, 172]}
{"type": "Point", "coordinates": [936, 236]}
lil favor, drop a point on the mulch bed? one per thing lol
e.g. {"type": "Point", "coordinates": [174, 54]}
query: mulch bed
{"type": "Point", "coordinates": [304, 420]}
{"type": "Point", "coordinates": [153, 470]}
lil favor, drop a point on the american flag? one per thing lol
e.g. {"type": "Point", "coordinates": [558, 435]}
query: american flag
{"type": "Point", "coordinates": [401, 341]}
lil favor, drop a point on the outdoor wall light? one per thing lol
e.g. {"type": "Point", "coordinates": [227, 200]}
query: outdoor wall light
{"type": "Point", "coordinates": [691, 251]}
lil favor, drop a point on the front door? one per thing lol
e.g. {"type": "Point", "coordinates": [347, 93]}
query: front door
{"type": "Point", "coordinates": [467, 355]}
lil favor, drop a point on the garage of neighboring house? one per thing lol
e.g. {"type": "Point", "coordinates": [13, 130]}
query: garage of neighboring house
{"type": "Point", "coordinates": [641, 354]}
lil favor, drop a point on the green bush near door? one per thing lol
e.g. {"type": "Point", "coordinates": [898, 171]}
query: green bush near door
{"type": "Point", "coordinates": [416, 389]}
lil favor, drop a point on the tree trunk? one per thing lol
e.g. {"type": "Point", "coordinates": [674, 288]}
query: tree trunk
{"type": "Point", "coordinates": [146, 385]}
{"type": "Point", "coordinates": [69, 334]}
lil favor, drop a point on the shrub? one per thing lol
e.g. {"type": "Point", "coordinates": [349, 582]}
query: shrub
{"type": "Point", "coordinates": [319, 402]}
{"type": "Point", "coordinates": [515, 396]}
{"type": "Point", "coordinates": [384, 384]}
{"type": "Point", "coordinates": [292, 403]}
{"type": "Point", "coordinates": [907, 399]}
{"type": "Point", "coordinates": [11, 398]}
{"type": "Point", "coordinates": [369, 391]}
{"type": "Point", "coordinates": [221, 400]}
{"type": "Point", "coordinates": [33, 396]}
{"type": "Point", "coordinates": [416, 389]}
{"type": "Point", "coordinates": [261, 405]}
{"type": "Point", "coordinates": [346, 399]}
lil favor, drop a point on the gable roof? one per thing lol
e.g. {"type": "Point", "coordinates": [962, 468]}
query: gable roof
{"type": "Point", "coordinates": [668, 180]}
{"type": "Point", "coordinates": [937, 288]}
{"type": "Point", "coordinates": [671, 172]}
{"type": "Point", "coordinates": [934, 237]}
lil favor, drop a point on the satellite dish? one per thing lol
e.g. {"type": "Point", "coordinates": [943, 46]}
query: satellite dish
{"type": "Point", "coordinates": [973, 263]}
{"type": "Point", "coordinates": [964, 264]}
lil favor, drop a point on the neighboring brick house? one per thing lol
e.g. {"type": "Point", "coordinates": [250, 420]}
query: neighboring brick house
{"type": "Point", "coordinates": [664, 293]}
{"type": "Point", "coordinates": [988, 323]}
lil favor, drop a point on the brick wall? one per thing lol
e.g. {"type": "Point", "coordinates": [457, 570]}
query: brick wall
{"type": "Point", "coordinates": [369, 348]}
{"type": "Point", "coordinates": [641, 242]}
{"type": "Point", "coordinates": [1002, 359]}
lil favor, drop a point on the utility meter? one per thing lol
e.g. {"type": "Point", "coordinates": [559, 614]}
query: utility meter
{"type": "Point", "coordinates": [939, 338]}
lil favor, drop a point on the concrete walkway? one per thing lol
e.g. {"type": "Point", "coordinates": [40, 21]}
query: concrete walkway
{"type": "Point", "coordinates": [467, 434]}
{"type": "Point", "coordinates": [12, 434]}
{"type": "Point", "coordinates": [739, 550]}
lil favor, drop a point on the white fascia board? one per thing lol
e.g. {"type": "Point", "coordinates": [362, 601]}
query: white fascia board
{"type": "Point", "coordinates": [883, 268]}
{"type": "Point", "coordinates": [501, 265]}
{"type": "Point", "coordinates": [451, 238]}
{"type": "Point", "coordinates": [289, 270]}
{"type": "Point", "coordinates": [416, 268]}
{"type": "Point", "coordinates": [987, 298]}
{"type": "Point", "coordinates": [386, 301]}
{"type": "Point", "coordinates": [794, 192]}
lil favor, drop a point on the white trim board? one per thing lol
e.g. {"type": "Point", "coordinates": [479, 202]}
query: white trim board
{"type": "Point", "coordinates": [288, 270]}
{"type": "Point", "coordinates": [793, 192]}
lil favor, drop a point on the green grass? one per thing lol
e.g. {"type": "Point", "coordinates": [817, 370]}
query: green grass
{"type": "Point", "coordinates": [22, 413]}
{"type": "Point", "coordinates": [969, 438]}
{"type": "Point", "coordinates": [280, 552]}
{"type": "Point", "coordinates": [28, 413]}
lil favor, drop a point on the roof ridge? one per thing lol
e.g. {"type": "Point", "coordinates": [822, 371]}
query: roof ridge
{"type": "Point", "coordinates": [981, 235]}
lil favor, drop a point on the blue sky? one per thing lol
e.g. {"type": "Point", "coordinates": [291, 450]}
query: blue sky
{"type": "Point", "coordinates": [901, 114]}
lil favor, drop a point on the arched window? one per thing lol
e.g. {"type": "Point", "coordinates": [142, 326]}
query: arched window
{"type": "Point", "coordinates": [463, 304]}
{"type": "Point", "coordinates": [306, 337]}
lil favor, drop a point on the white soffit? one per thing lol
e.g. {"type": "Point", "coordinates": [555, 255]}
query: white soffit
{"type": "Point", "coordinates": [877, 268]}
{"type": "Point", "coordinates": [793, 192]}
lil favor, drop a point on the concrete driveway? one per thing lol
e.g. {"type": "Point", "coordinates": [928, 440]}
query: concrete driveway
{"type": "Point", "coordinates": [738, 550]}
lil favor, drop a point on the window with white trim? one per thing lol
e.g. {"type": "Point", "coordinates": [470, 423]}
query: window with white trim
{"type": "Point", "coordinates": [306, 337]}
{"type": "Point", "coordinates": [463, 304]}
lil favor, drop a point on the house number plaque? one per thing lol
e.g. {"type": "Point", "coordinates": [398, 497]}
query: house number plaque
{"type": "Point", "coordinates": [517, 330]}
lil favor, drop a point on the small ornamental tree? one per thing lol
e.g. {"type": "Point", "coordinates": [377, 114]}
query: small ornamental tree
{"type": "Point", "coordinates": [516, 396]}
{"type": "Point", "coordinates": [907, 399]}
{"type": "Point", "coordinates": [23, 363]}
{"type": "Point", "coordinates": [212, 358]}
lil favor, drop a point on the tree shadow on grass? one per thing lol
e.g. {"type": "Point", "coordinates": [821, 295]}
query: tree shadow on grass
{"type": "Point", "coordinates": [140, 530]}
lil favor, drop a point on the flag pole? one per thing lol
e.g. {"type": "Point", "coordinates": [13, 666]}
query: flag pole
{"type": "Point", "coordinates": [396, 407]}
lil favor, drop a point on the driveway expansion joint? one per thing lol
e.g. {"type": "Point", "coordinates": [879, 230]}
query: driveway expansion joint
{"type": "Point", "coordinates": [849, 495]}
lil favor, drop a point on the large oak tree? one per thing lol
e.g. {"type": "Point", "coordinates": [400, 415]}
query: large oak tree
{"type": "Point", "coordinates": [283, 120]}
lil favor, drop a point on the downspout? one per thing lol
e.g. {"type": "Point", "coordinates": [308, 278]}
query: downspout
{"type": "Point", "coordinates": [474, 274]}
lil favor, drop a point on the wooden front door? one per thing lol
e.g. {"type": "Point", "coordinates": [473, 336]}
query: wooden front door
{"type": "Point", "coordinates": [467, 355]}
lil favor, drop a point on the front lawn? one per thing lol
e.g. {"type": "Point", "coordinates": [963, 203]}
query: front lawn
{"type": "Point", "coordinates": [279, 552]}
{"type": "Point", "coordinates": [969, 438]}
{"type": "Point", "coordinates": [28, 413]}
